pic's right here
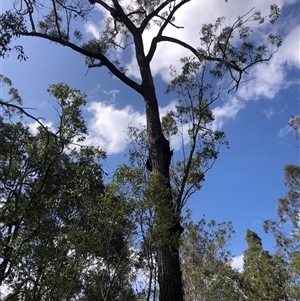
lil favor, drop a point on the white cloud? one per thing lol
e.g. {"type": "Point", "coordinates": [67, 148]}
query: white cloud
{"type": "Point", "coordinates": [227, 111]}
{"type": "Point", "coordinates": [112, 94]}
{"type": "Point", "coordinates": [93, 29]}
{"type": "Point", "coordinates": [237, 262]}
{"type": "Point", "coordinates": [203, 12]}
{"type": "Point", "coordinates": [284, 131]}
{"type": "Point", "coordinates": [107, 125]}
{"type": "Point", "coordinates": [33, 126]}
{"type": "Point", "coordinates": [270, 112]}
{"type": "Point", "coordinates": [289, 52]}
{"type": "Point", "coordinates": [265, 80]}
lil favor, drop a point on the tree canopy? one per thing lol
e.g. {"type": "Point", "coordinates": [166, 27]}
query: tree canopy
{"type": "Point", "coordinates": [64, 234]}
{"type": "Point", "coordinates": [225, 54]}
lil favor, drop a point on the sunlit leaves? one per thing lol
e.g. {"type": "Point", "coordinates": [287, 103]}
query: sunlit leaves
{"type": "Point", "coordinates": [169, 125]}
{"type": "Point", "coordinates": [196, 93]}
{"type": "Point", "coordinates": [64, 234]}
{"type": "Point", "coordinates": [52, 26]}
{"type": "Point", "coordinates": [207, 274]}
{"type": "Point", "coordinates": [70, 101]}
{"type": "Point", "coordinates": [12, 92]}
{"type": "Point", "coordinates": [235, 48]}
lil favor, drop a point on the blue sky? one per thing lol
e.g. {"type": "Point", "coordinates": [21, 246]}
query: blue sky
{"type": "Point", "coordinates": [247, 180]}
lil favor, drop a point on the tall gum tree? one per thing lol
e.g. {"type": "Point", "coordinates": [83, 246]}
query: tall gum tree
{"type": "Point", "coordinates": [126, 25]}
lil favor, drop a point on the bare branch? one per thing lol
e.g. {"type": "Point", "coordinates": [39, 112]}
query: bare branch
{"type": "Point", "coordinates": [56, 18]}
{"type": "Point", "coordinates": [23, 111]}
{"type": "Point", "coordinates": [156, 13]}
{"type": "Point", "coordinates": [104, 60]}
{"type": "Point", "coordinates": [30, 12]}
{"type": "Point", "coordinates": [163, 27]}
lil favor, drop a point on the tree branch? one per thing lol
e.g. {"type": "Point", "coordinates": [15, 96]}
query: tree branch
{"type": "Point", "coordinates": [104, 60]}
{"type": "Point", "coordinates": [159, 34]}
{"type": "Point", "coordinates": [229, 63]}
{"type": "Point", "coordinates": [183, 44]}
{"type": "Point", "coordinates": [118, 14]}
{"type": "Point", "coordinates": [155, 13]}
{"type": "Point", "coordinates": [56, 18]}
{"type": "Point", "coordinates": [6, 104]}
{"type": "Point", "coordinates": [30, 12]}
{"type": "Point", "coordinates": [167, 21]}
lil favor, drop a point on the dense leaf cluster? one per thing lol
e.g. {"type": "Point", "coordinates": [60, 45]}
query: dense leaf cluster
{"type": "Point", "coordinates": [64, 234]}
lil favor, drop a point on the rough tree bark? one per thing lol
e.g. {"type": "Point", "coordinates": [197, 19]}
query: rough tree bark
{"type": "Point", "coordinates": [169, 273]}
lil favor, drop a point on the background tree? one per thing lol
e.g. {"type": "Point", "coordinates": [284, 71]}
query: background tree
{"type": "Point", "coordinates": [64, 234]}
{"type": "Point", "coordinates": [286, 230]}
{"type": "Point", "coordinates": [295, 124]}
{"type": "Point", "coordinates": [127, 25]}
{"type": "Point", "coordinates": [207, 274]}
{"type": "Point", "coordinates": [265, 276]}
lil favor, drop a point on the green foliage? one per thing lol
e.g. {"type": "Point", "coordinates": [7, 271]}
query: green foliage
{"type": "Point", "coordinates": [233, 48]}
{"type": "Point", "coordinates": [286, 230]}
{"type": "Point", "coordinates": [11, 25]}
{"type": "Point", "coordinates": [158, 199]}
{"type": "Point", "coordinates": [196, 92]}
{"type": "Point", "coordinates": [288, 212]}
{"type": "Point", "coordinates": [169, 124]}
{"type": "Point", "coordinates": [148, 195]}
{"type": "Point", "coordinates": [10, 106]}
{"type": "Point", "coordinates": [70, 102]}
{"type": "Point", "coordinates": [64, 234]}
{"type": "Point", "coordinates": [289, 206]}
{"type": "Point", "coordinates": [207, 274]}
{"type": "Point", "coordinates": [50, 23]}
{"type": "Point", "coordinates": [265, 276]}
{"type": "Point", "coordinates": [95, 45]}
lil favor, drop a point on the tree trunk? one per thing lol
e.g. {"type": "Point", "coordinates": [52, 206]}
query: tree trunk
{"type": "Point", "coordinates": [169, 273]}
